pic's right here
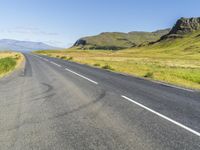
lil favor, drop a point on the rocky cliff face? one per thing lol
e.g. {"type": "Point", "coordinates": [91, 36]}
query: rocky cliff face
{"type": "Point", "coordinates": [183, 26]}
{"type": "Point", "coordinates": [80, 42]}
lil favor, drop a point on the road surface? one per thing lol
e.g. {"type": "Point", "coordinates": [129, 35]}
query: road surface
{"type": "Point", "coordinates": [59, 105]}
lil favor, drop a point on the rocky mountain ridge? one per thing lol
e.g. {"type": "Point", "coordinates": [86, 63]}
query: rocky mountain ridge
{"type": "Point", "coordinates": [183, 26]}
{"type": "Point", "coordinates": [118, 40]}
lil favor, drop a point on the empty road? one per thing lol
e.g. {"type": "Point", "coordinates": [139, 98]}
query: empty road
{"type": "Point", "coordinates": [53, 104]}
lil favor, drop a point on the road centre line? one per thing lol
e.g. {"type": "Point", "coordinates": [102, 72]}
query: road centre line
{"type": "Point", "coordinates": [162, 116]}
{"type": "Point", "coordinates": [81, 76]}
{"type": "Point", "coordinates": [55, 64]}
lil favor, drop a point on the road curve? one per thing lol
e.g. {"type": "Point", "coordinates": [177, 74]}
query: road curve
{"type": "Point", "coordinates": [59, 105]}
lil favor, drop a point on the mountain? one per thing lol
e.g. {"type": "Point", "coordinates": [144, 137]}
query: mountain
{"type": "Point", "coordinates": [119, 40]}
{"type": "Point", "coordinates": [183, 39]}
{"type": "Point", "coordinates": [8, 44]}
{"type": "Point", "coordinates": [182, 27]}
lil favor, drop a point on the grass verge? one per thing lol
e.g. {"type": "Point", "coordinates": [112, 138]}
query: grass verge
{"type": "Point", "coordinates": [9, 61]}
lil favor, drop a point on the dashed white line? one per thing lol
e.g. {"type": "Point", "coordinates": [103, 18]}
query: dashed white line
{"type": "Point", "coordinates": [162, 116]}
{"type": "Point", "coordinates": [45, 59]}
{"type": "Point", "coordinates": [81, 76]}
{"type": "Point", "coordinates": [55, 64]}
{"type": "Point", "coordinates": [70, 70]}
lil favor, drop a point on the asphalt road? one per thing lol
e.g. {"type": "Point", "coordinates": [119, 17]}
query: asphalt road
{"type": "Point", "coordinates": [57, 105]}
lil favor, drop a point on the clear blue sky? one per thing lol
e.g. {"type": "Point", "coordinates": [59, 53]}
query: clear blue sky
{"type": "Point", "coordinates": [61, 22]}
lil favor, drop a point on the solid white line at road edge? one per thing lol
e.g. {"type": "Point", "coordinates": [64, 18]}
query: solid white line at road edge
{"type": "Point", "coordinates": [173, 86]}
{"type": "Point", "coordinates": [162, 116]}
{"type": "Point", "coordinates": [81, 76]}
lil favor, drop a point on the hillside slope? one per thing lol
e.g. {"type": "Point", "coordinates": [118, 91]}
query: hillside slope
{"type": "Point", "coordinates": [119, 40]}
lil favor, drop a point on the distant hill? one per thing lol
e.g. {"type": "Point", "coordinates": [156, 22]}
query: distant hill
{"type": "Point", "coordinates": [8, 44]}
{"type": "Point", "coordinates": [119, 40]}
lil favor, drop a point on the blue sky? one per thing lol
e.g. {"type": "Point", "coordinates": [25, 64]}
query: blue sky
{"type": "Point", "coordinates": [61, 22]}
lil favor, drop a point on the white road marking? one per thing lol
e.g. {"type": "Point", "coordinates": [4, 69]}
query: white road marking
{"type": "Point", "coordinates": [45, 59]}
{"type": "Point", "coordinates": [41, 58]}
{"type": "Point", "coordinates": [162, 116]}
{"type": "Point", "coordinates": [55, 64]}
{"type": "Point", "coordinates": [81, 76]}
{"type": "Point", "coordinates": [69, 70]}
{"type": "Point", "coordinates": [173, 86]}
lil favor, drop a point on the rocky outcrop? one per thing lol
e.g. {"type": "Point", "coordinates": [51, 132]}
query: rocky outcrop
{"type": "Point", "coordinates": [80, 42]}
{"type": "Point", "coordinates": [186, 25]}
{"type": "Point", "coordinates": [183, 26]}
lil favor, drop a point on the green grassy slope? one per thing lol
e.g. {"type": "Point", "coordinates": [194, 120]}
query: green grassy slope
{"type": "Point", "coordinates": [7, 64]}
{"type": "Point", "coordinates": [186, 47]}
{"type": "Point", "coordinates": [118, 40]}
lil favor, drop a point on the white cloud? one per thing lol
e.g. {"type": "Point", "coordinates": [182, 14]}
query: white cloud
{"type": "Point", "coordinates": [27, 30]}
{"type": "Point", "coordinates": [34, 34]}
